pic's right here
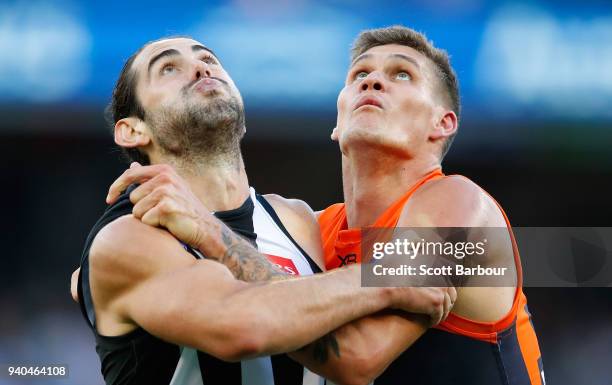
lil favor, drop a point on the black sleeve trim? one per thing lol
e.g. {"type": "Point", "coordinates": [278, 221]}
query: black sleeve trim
{"type": "Point", "coordinates": [266, 205]}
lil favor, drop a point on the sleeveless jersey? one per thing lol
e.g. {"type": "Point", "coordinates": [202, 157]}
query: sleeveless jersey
{"type": "Point", "coordinates": [459, 350]}
{"type": "Point", "coordinates": [141, 358]}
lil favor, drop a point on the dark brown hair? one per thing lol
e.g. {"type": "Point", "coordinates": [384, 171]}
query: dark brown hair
{"type": "Point", "coordinates": [124, 102]}
{"type": "Point", "coordinates": [397, 34]}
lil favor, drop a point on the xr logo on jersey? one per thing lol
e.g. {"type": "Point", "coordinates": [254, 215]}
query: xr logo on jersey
{"type": "Point", "coordinates": [347, 259]}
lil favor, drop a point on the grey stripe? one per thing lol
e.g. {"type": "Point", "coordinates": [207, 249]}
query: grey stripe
{"type": "Point", "coordinates": [188, 369]}
{"type": "Point", "coordinates": [257, 371]}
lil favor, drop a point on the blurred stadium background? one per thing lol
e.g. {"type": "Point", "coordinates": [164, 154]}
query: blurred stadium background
{"type": "Point", "coordinates": [536, 81]}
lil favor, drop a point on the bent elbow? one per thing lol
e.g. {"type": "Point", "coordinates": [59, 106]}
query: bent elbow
{"type": "Point", "coordinates": [240, 341]}
{"type": "Point", "coordinates": [235, 350]}
{"type": "Point", "coordinates": [241, 347]}
{"type": "Point", "coordinates": [362, 370]}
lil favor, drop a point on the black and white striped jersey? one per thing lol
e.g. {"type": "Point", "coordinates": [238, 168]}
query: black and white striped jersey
{"type": "Point", "coordinates": [141, 358]}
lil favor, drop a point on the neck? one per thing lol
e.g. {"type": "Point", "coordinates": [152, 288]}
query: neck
{"type": "Point", "coordinates": [373, 181]}
{"type": "Point", "coordinates": [220, 184]}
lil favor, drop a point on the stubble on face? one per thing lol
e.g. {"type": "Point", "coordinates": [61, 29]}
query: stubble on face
{"type": "Point", "coordinates": [200, 128]}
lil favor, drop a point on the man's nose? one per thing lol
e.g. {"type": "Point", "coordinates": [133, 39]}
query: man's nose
{"type": "Point", "coordinates": [372, 82]}
{"type": "Point", "coordinates": [200, 70]}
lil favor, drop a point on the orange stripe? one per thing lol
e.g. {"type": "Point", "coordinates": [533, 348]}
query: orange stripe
{"type": "Point", "coordinates": [528, 343]}
{"type": "Point", "coordinates": [331, 221]}
{"type": "Point", "coordinates": [391, 216]}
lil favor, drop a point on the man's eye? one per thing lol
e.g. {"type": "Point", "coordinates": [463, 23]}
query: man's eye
{"type": "Point", "coordinates": [209, 60]}
{"type": "Point", "coordinates": [361, 75]}
{"type": "Point", "coordinates": [168, 69]}
{"type": "Point", "coordinates": [403, 75]}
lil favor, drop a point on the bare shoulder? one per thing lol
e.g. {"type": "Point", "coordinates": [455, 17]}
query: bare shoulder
{"type": "Point", "coordinates": [300, 221]}
{"type": "Point", "coordinates": [456, 201]}
{"type": "Point", "coordinates": [127, 251]}
{"type": "Point", "coordinates": [290, 206]}
{"type": "Point", "coordinates": [453, 201]}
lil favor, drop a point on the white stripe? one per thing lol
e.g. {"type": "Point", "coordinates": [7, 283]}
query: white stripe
{"type": "Point", "coordinates": [311, 378]}
{"type": "Point", "coordinates": [258, 371]}
{"type": "Point", "coordinates": [272, 240]}
{"type": "Point", "coordinates": [188, 369]}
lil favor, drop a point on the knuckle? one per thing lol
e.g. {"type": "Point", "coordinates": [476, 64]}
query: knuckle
{"type": "Point", "coordinates": [136, 213]}
{"type": "Point", "coordinates": [438, 300]}
{"type": "Point", "coordinates": [160, 192]}
{"type": "Point", "coordinates": [453, 294]}
{"type": "Point", "coordinates": [164, 190]}
{"type": "Point", "coordinates": [125, 177]}
{"type": "Point", "coordinates": [165, 206]}
{"type": "Point", "coordinates": [133, 196]}
{"type": "Point", "coordinates": [166, 169]}
{"type": "Point", "coordinates": [164, 177]}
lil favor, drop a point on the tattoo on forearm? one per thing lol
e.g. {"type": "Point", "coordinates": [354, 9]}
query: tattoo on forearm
{"type": "Point", "coordinates": [322, 347]}
{"type": "Point", "coordinates": [248, 264]}
{"type": "Point", "coordinates": [244, 261]}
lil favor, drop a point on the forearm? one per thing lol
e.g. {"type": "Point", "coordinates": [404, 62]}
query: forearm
{"type": "Point", "coordinates": [292, 313]}
{"type": "Point", "coordinates": [244, 261]}
{"type": "Point", "coordinates": [233, 320]}
{"type": "Point", "coordinates": [360, 351]}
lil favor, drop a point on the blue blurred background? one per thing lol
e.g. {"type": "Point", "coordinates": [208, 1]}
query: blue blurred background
{"type": "Point", "coordinates": [536, 82]}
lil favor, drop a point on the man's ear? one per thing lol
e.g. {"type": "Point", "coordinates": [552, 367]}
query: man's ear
{"type": "Point", "coordinates": [445, 126]}
{"type": "Point", "coordinates": [131, 132]}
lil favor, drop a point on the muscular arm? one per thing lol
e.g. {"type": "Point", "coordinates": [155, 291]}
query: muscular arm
{"type": "Point", "coordinates": [364, 348]}
{"type": "Point", "coordinates": [359, 351]}
{"type": "Point", "coordinates": [244, 261]}
{"type": "Point", "coordinates": [373, 341]}
{"type": "Point", "coordinates": [456, 201]}
{"type": "Point", "coordinates": [367, 346]}
{"type": "Point", "coordinates": [240, 258]}
{"type": "Point", "coordinates": [165, 201]}
{"type": "Point", "coordinates": [142, 276]}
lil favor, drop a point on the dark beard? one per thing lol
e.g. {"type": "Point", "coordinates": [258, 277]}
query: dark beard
{"type": "Point", "coordinates": [200, 132]}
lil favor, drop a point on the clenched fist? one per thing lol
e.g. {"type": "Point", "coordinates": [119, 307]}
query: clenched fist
{"type": "Point", "coordinates": [164, 199]}
{"type": "Point", "coordinates": [435, 302]}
